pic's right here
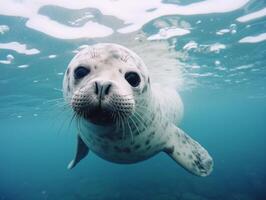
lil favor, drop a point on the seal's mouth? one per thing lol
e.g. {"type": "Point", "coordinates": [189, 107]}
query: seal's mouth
{"type": "Point", "coordinates": [102, 112]}
{"type": "Point", "coordinates": [97, 115]}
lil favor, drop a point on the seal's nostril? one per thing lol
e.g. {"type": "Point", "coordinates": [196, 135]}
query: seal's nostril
{"type": "Point", "coordinates": [96, 88]}
{"type": "Point", "coordinates": [107, 88]}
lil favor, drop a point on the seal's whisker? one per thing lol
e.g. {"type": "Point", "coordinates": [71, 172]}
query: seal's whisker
{"type": "Point", "coordinates": [140, 119]}
{"type": "Point", "coordinates": [78, 124]}
{"type": "Point", "coordinates": [61, 114]}
{"type": "Point", "coordinates": [94, 53]}
{"type": "Point", "coordinates": [143, 112]}
{"type": "Point", "coordinates": [62, 124]}
{"type": "Point", "coordinates": [130, 118]}
{"type": "Point", "coordinates": [144, 120]}
{"type": "Point", "coordinates": [142, 109]}
{"type": "Point", "coordinates": [124, 58]}
{"type": "Point", "coordinates": [130, 131]}
{"type": "Point", "coordinates": [57, 103]}
{"type": "Point", "coordinates": [63, 107]}
{"type": "Point", "coordinates": [137, 118]}
{"type": "Point", "coordinates": [120, 124]}
{"type": "Point", "coordinates": [71, 120]}
{"type": "Point", "coordinates": [123, 125]}
{"type": "Point", "coordinates": [117, 122]}
{"type": "Point", "coordinates": [54, 100]}
{"type": "Point", "coordinates": [112, 115]}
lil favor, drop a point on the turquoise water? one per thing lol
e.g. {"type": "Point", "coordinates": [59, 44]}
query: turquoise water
{"type": "Point", "coordinates": [217, 49]}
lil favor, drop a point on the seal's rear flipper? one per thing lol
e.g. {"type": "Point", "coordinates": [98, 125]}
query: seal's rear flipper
{"type": "Point", "coordinates": [188, 153]}
{"type": "Point", "coordinates": [81, 152]}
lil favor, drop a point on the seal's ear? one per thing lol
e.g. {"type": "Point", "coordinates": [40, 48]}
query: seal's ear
{"type": "Point", "coordinates": [188, 153]}
{"type": "Point", "coordinates": [81, 152]}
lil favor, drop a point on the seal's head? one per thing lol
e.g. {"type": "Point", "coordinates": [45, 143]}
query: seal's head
{"type": "Point", "coordinates": [102, 82]}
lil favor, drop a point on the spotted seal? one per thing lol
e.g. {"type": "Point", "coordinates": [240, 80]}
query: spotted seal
{"type": "Point", "coordinates": [123, 117]}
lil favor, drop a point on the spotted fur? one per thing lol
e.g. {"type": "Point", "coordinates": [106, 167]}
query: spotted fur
{"type": "Point", "coordinates": [152, 113]}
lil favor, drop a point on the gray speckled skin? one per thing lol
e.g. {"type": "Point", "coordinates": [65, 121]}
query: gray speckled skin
{"type": "Point", "coordinates": [153, 112]}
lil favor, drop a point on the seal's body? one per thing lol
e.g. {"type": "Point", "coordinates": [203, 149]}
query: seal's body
{"type": "Point", "coordinates": [121, 116]}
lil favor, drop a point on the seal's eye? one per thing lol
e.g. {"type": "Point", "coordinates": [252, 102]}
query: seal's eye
{"type": "Point", "coordinates": [80, 72]}
{"type": "Point", "coordinates": [132, 78]}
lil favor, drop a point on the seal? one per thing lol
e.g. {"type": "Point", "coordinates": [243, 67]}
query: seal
{"type": "Point", "coordinates": [123, 117]}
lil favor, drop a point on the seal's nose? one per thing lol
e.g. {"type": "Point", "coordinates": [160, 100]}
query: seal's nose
{"type": "Point", "coordinates": [102, 89]}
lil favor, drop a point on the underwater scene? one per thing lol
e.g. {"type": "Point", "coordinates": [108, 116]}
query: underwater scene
{"type": "Point", "coordinates": [212, 52]}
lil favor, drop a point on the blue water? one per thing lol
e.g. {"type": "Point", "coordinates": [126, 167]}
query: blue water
{"type": "Point", "coordinates": [224, 96]}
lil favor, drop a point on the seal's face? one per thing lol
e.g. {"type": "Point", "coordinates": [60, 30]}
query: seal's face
{"type": "Point", "coordinates": [102, 81]}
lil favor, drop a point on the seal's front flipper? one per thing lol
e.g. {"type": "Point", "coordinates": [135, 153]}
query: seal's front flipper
{"type": "Point", "coordinates": [188, 153]}
{"type": "Point", "coordinates": [81, 152]}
